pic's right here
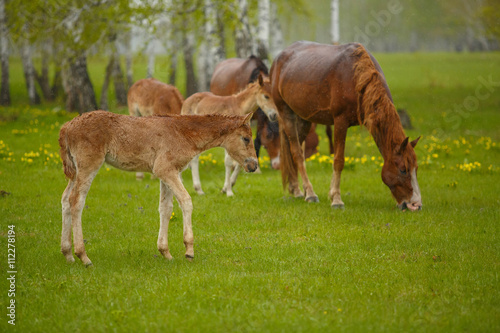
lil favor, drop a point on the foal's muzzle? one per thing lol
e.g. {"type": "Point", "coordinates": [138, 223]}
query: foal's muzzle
{"type": "Point", "coordinates": [251, 165]}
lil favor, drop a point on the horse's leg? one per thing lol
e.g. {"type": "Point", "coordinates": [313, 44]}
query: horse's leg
{"type": "Point", "coordinates": [195, 172]}
{"type": "Point", "coordinates": [236, 172]}
{"type": "Point", "coordinates": [329, 135]}
{"type": "Point", "coordinates": [77, 201]}
{"type": "Point", "coordinates": [339, 136]}
{"type": "Point", "coordinates": [296, 130]}
{"type": "Point", "coordinates": [175, 183]}
{"type": "Point", "coordinates": [66, 223]}
{"type": "Point", "coordinates": [257, 142]}
{"type": "Point", "coordinates": [165, 209]}
{"type": "Point", "coordinates": [228, 164]}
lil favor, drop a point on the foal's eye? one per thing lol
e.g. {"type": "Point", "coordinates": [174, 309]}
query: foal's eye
{"type": "Point", "coordinates": [246, 141]}
{"type": "Point", "coordinates": [266, 97]}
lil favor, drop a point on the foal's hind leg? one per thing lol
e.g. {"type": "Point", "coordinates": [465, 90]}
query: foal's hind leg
{"type": "Point", "coordinates": [77, 202]}
{"type": "Point", "coordinates": [166, 206]}
{"type": "Point", "coordinates": [66, 223]}
{"type": "Point", "coordinates": [195, 172]}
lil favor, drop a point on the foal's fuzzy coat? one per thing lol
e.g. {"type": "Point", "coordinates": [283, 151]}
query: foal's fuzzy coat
{"type": "Point", "coordinates": [161, 145]}
{"type": "Point", "coordinates": [247, 101]}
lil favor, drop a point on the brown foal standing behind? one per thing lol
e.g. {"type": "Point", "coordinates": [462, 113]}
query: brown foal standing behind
{"type": "Point", "coordinates": [161, 145]}
{"type": "Point", "coordinates": [256, 94]}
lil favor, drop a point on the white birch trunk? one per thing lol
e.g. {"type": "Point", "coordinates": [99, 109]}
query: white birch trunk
{"type": "Point", "coordinates": [243, 35]}
{"type": "Point", "coordinates": [4, 56]}
{"type": "Point", "coordinates": [29, 70]}
{"type": "Point", "coordinates": [263, 31]}
{"type": "Point", "coordinates": [277, 41]}
{"type": "Point", "coordinates": [151, 60]}
{"type": "Point", "coordinates": [210, 54]}
{"type": "Point", "coordinates": [335, 27]}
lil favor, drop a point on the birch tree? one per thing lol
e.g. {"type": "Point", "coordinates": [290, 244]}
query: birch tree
{"type": "Point", "coordinates": [243, 36]}
{"type": "Point", "coordinates": [4, 56]}
{"type": "Point", "coordinates": [263, 30]}
{"type": "Point", "coordinates": [335, 25]}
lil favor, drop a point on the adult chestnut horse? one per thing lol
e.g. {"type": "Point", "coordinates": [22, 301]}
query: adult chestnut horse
{"type": "Point", "coordinates": [342, 86]}
{"type": "Point", "coordinates": [233, 75]}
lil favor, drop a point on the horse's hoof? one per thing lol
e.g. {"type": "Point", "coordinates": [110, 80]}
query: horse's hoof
{"type": "Point", "coordinates": [312, 198]}
{"type": "Point", "coordinates": [89, 264]}
{"type": "Point", "coordinates": [189, 257]}
{"type": "Point", "coordinates": [338, 206]}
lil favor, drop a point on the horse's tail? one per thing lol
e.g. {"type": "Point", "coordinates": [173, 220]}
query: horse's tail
{"type": "Point", "coordinates": [286, 159]}
{"type": "Point", "coordinates": [67, 159]}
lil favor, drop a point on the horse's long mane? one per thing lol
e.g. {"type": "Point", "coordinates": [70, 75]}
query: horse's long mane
{"type": "Point", "coordinates": [260, 67]}
{"type": "Point", "coordinates": [375, 108]}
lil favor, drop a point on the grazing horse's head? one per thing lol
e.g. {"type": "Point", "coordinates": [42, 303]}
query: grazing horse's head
{"type": "Point", "coordinates": [239, 145]}
{"type": "Point", "coordinates": [399, 173]}
{"type": "Point", "coordinates": [265, 99]}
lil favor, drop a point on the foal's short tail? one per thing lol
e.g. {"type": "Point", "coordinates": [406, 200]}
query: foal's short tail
{"type": "Point", "coordinates": [287, 166]}
{"type": "Point", "coordinates": [67, 159]}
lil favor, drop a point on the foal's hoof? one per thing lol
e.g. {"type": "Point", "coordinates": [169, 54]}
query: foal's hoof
{"type": "Point", "coordinates": [189, 257]}
{"type": "Point", "coordinates": [312, 198]}
{"type": "Point", "coordinates": [89, 264]}
{"type": "Point", "coordinates": [338, 206]}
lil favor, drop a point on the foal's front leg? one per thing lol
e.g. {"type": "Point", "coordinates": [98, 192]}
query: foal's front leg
{"type": "Point", "coordinates": [229, 179]}
{"type": "Point", "coordinates": [166, 207]}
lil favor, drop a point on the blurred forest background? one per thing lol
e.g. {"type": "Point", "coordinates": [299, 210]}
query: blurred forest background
{"type": "Point", "coordinates": [57, 41]}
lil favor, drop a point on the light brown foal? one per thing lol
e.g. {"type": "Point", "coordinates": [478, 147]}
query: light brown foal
{"type": "Point", "coordinates": [161, 145]}
{"type": "Point", "coordinates": [256, 94]}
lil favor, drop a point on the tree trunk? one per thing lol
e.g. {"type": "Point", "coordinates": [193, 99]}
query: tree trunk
{"type": "Point", "coordinates": [119, 82]}
{"type": "Point", "coordinates": [29, 71]}
{"type": "Point", "coordinates": [4, 56]}
{"type": "Point", "coordinates": [151, 60]}
{"type": "Point", "coordinates": [277, 41]}
{"type": "Point", "coordinates": [335, 30]}
{"type": "Point", "coordinates": [56, 87]}
{"type": "Point", "coordinates": [191, 85]}
{"type": "Point", "coordinates": [128, 58]}
{"type": "Point", "coordinates": [79, 80]}
{"type": "Point", "coordinates": [105, 85]}
{"type": "Point", "coordinates": [243, 36]}
{"type": "Point", "coordinates": [43, 78]}
{"type": "Point", "coordinates": [263, 31]}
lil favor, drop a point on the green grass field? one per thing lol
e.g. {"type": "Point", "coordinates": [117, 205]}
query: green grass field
{"type": "Point", "coordinates": [266, 262]}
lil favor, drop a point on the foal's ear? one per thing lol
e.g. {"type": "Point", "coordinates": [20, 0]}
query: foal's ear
{"type": "Point", "coordinates": [247, 119]}
{"type": "Point", "coordinates": [261, 80]}
{"type": "Point", "coordinates": [403, 145]}
{"type": "Point", "coordinates": [414, 142]}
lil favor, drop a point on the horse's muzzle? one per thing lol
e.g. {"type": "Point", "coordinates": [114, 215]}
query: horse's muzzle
{"type": "Point", "coordinates": [411, 206]}
{"type": "Point", "coordinates": [251, 165]}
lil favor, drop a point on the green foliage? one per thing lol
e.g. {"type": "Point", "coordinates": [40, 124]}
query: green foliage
{"type": "Point", "coordinates": [266, 262]}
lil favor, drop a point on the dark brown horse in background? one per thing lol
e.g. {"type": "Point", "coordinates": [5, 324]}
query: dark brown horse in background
{"type": "Point", "coordinates": [342, 86]}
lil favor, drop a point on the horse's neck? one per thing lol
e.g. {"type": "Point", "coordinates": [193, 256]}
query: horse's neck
{"type": "Point", "coordinates": [247, 100]}
{"type": "Point", "coordinates": [387, 131]}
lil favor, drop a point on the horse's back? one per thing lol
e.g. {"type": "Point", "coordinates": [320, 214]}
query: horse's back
{"type": "Point", "coordinates": [315, 80]}
{"type": "Point", "coordinates": [149, 97]}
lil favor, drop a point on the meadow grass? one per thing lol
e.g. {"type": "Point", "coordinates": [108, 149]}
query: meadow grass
{"type": "Point", "coordinates": [265, 261]}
